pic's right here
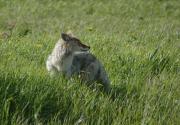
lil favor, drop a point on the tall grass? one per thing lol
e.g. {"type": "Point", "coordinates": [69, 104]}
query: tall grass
{"type": "Point", "coordinates": [137, 41]}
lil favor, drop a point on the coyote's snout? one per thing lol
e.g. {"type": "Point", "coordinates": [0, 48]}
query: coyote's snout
{"type": "Point", "coordinates": [65, 59]}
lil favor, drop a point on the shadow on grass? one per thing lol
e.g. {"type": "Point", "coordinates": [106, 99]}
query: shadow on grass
{"type": "Point", "coordinates": [33, 100]}
{"type": "Point", "coordinates": [40, 100]}
{"type": "Point", "coordinates": [118, 92]}
{"type": "Point", "coordinates": [122, 93]}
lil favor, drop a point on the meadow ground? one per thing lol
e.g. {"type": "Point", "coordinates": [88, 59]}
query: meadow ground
{"type": "Point", "coordinates": [138, 42]}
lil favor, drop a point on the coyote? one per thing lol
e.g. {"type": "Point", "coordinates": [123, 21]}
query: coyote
{"type": "Point", "coordinates": [71, 57]}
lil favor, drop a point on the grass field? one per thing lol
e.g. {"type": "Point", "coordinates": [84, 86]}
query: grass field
{"type": "Point", "coordinates": [138, 41]}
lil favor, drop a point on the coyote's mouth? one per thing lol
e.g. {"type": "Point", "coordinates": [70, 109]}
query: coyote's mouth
{"type": "Point", "coordinates": [84, 47]}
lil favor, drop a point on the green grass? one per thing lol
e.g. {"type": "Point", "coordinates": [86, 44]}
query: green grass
{"type": "Point", "coordinates": [138, 41]}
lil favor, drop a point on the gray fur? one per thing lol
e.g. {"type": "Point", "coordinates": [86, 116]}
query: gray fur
{"type": "Point", "coordinates": [68, 57]}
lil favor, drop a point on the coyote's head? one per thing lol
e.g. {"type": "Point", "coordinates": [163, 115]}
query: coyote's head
{"type": "Point", "coordinates": [73, 43]}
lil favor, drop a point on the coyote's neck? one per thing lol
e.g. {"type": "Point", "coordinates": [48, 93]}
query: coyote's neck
{"type": "Point", "coordinates": [63, 57]}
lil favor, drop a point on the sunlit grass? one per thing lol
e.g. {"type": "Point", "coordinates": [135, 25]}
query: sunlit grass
{"type": "Point", "coordinates": [137, 41]}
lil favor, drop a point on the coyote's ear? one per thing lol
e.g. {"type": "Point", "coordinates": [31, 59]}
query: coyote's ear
{"type": "Point", "coordinates": [66, 37]}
